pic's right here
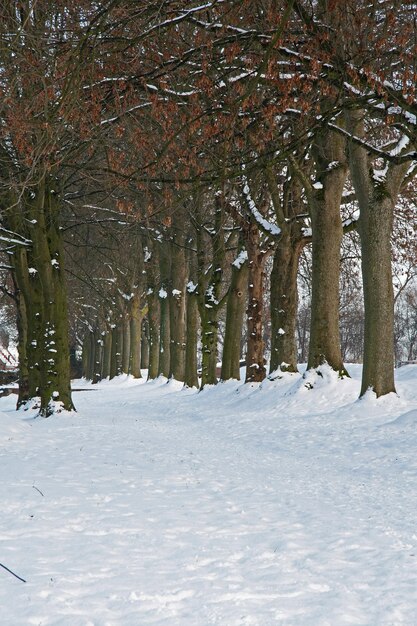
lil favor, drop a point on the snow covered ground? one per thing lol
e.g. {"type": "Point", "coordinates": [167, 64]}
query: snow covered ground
{"type": "Point", "coordinates": [154, 505]}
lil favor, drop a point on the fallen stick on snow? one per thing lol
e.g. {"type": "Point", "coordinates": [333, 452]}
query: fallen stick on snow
{"type": "Point", "coordinates": [13, 574]}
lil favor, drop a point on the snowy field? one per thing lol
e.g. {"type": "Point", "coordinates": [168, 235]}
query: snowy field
{"type": "Point", "coordinates": [154, 505]}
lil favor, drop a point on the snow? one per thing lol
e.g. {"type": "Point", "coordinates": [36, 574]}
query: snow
{"type": "Point", "coordinates": [241, 258]}
{"type": "Point", "coordinates": [247, 505]}
{"type": "Point", "coordinates": [396, 110]}
{"type": "Point", "coordinates": [271, 228]}
{"type": "Point", "coordinates": [402, 143]}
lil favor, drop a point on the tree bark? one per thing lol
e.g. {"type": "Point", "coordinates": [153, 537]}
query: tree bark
{"type": "Point", "coordinates": [164, 306]}
{"type": "Point", "coordinates": [191, 376]}
{"type": "Point", "coordinates": [290, 214]}
{"type": "Point", "coordinates": [255, 352]}
{"type": "Point", "coordinates": [376, 198]}
{"type": "Point", "coordinates": [98, 356]}
{"type": "Point", "coordinates": [210, 301]}
{"type": "Point", "coordinates": [107, 354]}
{"type": "Point", "coordinates": [135, 336]}
{"type": "Point", "coordinates": [144, 349]}
{"type": "Point", "coordinates": [153, 312]}
{"type": "Point", "coordinates": [178, 305]}
{"type": "Point", "coordinates": [236, 304]}
{"type": "Point", "coordinates": [116, 350]}
{"type": "Point", "coordinates": [52, 345]}
{"type": "Point", "coordinates": [91, 354]}
{"type": "Point", "coordinates": [375, 228]}
{"type": "Point", "coordinates": [284, 301]}
{"type": "Point", "coordinates": [327, 232]}
{"type": "Point", "coordinates": [126, 344]}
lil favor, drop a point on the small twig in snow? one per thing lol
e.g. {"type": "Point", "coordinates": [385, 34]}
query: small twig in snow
{"type": "Point", "coordinates": [38, 490]}
{"type": "Point", "coordinates": [12, 573]}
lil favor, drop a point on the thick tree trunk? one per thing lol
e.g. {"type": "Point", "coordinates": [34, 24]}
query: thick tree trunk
{"type": "Point", "coordinates": [236, 304]}
{"type": "Point", "coordinates": [144, 349]}
{"type": "Point", "coordinates": [255, 351]}
{"type": "Point", "coordinates": [209, 339]}
{"type": "Point", "coordinates": [164, 306]}
{"type": "Point", "coordinates": [376, 200]}
{"type": "Point", "coordinates": [151, 264]}
{"type": "Point", "coordinates": [119, 347]}
{"type": "Point", "coordinates": [191, 376]}
{"type": "Point", "coordinates": [177, 307]}
{"type": "Point", "coordinates": [154, 326]}
{"type": "Point", "coordinates": [284, 302]}
{"type": "Point", "coordinates": [52, 346]}
{"type": "Point", "coordinates": [107, 355]}
{"type": "Point", "coordinates": [91, 355]}
{"type": "Point", "coordinates": [62, 378]}
{"type": "Point", "coordinates": [43, 323]}
{"type": "Point", "coordinates": [210, 300]}
{"type": "Point", "coordinates": [116, 340]}
{"type": "Point", "coordinates": [135, 337]}
{"type": "Point", "coordinates": [327, 233]}
{"type": "Point", "coordinates": [84, 355]}
{"type": "Point", "coordinates": [375, 228]}
{"type": "Point", "coordinates": [126, 345]}
{"type": "Point", "coordinates": [113, 363]}
{"type": "Point", "coordinates": [98, 356]}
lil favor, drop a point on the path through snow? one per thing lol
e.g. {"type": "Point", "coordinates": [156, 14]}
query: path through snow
{"type": "Point", "coordinates": [235, 506]}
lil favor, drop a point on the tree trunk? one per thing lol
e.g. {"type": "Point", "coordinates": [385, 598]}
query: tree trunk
{"type": "Point", "coordinates": [53, 344]}
{"type": "Point", "coordinates": [135, 337]}
{"type": "Point", "coordinates": [191, 376]}
{"type": "Point", "coordinates": [255, 353]}
{"type": "Point", "coordinates": [91, 355]}
{"type": "Point", "coordinates": [210, 301]}
{"type": "Point", "coordinates": [107, 354]}
{"type": "Point", "coordinates": [98, 356]}
{"type": "Point", "coordinates": [209, 339]}
{"type": "Point", "coordinates": [164, 306]}
{"type": "Point", "coordinates": [284, 301]}
{"type": "Point", "coordinates": [126, 345]}
{"type": "Point", "coordinates": [144, 348]}
{"type": "Point", "coordinates": [375, 228]}
{"type": "Point", "coordinates": [177, 307]}
{"type": "Point", "coordinates": [376, 200]}
{"type": "Point", "coordinates": [153, 320]}
{"type": "Point", "coordinates": [236, 303]}
{"type": "Point", "coordinates": [119, 347]}
{"type": "Point", "coordinates": [114, 362]}
{"type": "Point", "coordinates": [43, 319]}
{"type": "Point", "coordinates": [153, 313]}
{"type": "Point", "coordinates": [62, 382]}
{"type": "Point", "coordinates": [327, 233]}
